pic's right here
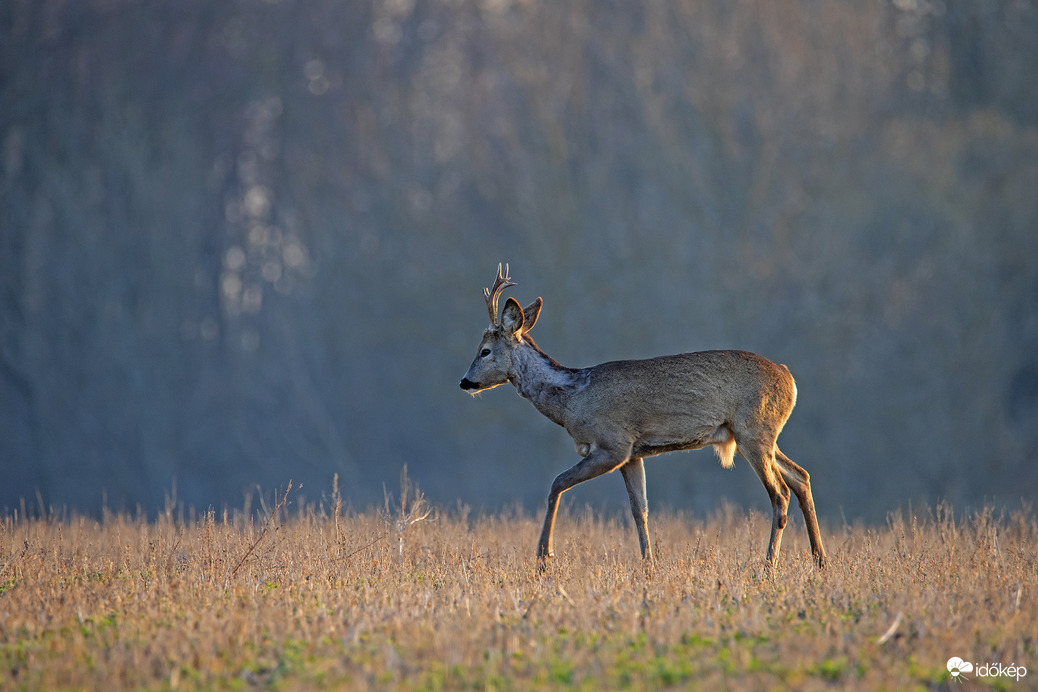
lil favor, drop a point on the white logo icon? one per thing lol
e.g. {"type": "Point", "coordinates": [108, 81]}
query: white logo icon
{"type": "Point", "coordinates": [956, 666]}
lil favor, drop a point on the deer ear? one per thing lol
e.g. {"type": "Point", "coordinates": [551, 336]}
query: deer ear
{"type": "Point", "coordinates": [512, 316]}
{"type": "Point", "coordinates": [530, 313]}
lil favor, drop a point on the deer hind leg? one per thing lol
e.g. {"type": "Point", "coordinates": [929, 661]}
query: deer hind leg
{"type": "Point", "coordinates": [762, 458]}
{"type": "Point", "coordinates": [634, 476]}
{"type": "Point", "coordinates": [799, 482]}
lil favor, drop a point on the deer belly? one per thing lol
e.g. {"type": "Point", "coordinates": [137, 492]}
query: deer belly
{"type": "Point", "coordinates": [651, 445]}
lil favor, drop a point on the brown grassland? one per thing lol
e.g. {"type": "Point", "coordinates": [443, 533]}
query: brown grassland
{"type": "Point", "coordinates": [308, 596]}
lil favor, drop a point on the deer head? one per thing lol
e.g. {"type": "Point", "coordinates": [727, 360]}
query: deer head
{"type": "Point", "coordinates": [493, 363]}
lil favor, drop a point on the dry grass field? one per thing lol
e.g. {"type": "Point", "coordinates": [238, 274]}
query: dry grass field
{"type": "Point", "coordinates": [300, 597]}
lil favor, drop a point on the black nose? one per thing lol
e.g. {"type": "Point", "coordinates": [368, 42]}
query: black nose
{"type": "Point", "coordinates": [468, 384]}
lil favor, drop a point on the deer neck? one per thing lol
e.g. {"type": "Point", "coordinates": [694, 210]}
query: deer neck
{"type": "Point", "coordinates": [548, 385]}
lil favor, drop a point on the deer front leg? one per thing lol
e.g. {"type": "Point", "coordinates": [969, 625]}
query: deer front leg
{"type": "Point", "coordinates": [634, 476]}
{"type": "Point", "coordinates": [593, 465]}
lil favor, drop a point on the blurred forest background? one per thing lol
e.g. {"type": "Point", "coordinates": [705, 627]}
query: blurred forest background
{"type": "Point", "coordinates": [243, 242]}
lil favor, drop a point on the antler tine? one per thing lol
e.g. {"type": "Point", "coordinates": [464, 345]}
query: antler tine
{"type": "Point", "coordinates": [492, 294]}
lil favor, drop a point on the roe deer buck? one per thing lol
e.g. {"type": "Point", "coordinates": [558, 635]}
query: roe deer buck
{"type": "Point", "coordinates": [620, 412]}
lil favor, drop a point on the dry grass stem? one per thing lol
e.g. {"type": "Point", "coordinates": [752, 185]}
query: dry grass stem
{"type": "Point", "coordinates": [278, 506]}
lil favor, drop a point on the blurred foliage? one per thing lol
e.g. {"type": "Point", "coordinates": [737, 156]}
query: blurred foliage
{"type": "Point", "coordinates": [244, 241]}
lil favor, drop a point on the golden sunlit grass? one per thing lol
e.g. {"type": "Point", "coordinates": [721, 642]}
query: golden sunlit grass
{"type": "Point", "coordinates": [314, 598]}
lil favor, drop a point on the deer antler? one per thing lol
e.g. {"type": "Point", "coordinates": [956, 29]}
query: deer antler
{"type": "Point", "coordinates": [492, 294]}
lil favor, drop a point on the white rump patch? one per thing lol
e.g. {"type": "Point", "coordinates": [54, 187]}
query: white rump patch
{"type": "Point", "coordinates": [724, 446]}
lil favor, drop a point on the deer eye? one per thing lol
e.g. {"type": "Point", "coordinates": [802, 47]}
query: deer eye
{"type": "Point", "coordinates": [484, 353]}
